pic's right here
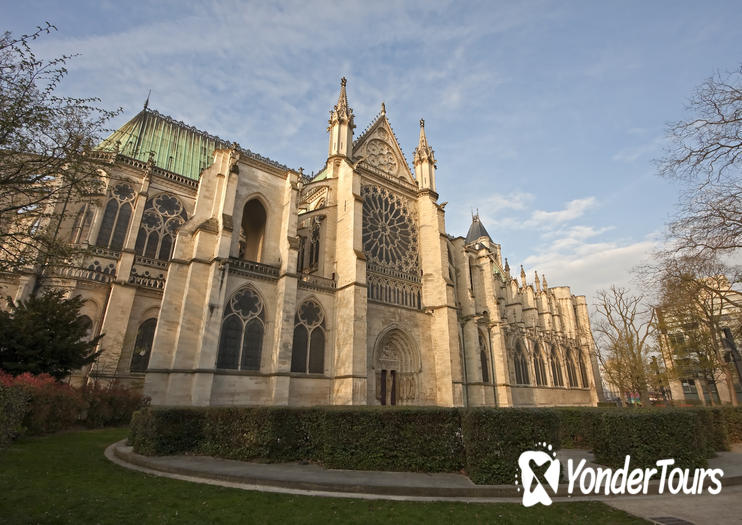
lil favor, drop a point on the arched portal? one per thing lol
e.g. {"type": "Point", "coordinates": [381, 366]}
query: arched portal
{"type": "Point", "coordinates": [397, 369]}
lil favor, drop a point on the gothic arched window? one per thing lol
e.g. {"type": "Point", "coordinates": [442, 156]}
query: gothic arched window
{"type": "Point", "coordinates": [571, 372]}
{"type": "Point", "coordinates": [308, 348]}
{"type": "Point", "coordinates": [483, 359]}
{"type": "Point", "coordinates": [300, 257]}
{"type": "Point", "coordinates": [314, 246]}
{"type": "Point", "coordinates": [143, 345]}
{"type": "Point", "coordinates": [243, 324]}
{"type": "Point", "coordinates": [556, 368]}
{"type": "Point", "coordinates": [163, 216]}
{"type": "Point", "coordinates": [540, 367]}
{"type": "Point", "coordinates": [116, 216]}
{"type": "Point", "coordinates": [253, 231]}
{"type": "Point", "coordinates": [521, 366]}
{"type": "Point", "coordinates": [583, 371]}
{"type": "Point", "coordinates": [81, 226]}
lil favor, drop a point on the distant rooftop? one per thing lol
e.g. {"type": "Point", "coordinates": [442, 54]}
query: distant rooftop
{"type": "Point", "coordinates": [177, 147]}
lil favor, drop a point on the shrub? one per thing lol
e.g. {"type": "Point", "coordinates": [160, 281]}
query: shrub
{"type": "Point", "coordinates": [111, 405]}
{"type": "Point", "coordinates": [406, 439]}
{"type": "Point", "coordinates": [577, 426]}
{"type": "Point", "coordinates": [733, 420]}
{"type": "Point", "coordinates": [13, 408]}
{"type": "Point", "coordinates": [649, 435]}
{"type": "Point", "coordinates": [495, 438]}
{"type": "Point", "coordinates": [169, 431]}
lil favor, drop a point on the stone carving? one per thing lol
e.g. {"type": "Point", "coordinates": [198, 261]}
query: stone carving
{"type": "Point", "coordinates": [381, 156]}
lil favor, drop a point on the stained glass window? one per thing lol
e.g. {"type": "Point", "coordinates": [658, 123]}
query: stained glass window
{"type": "Point", "coordinates": [483, 359]}
{"type": "Point", "coordinates": [112, 232]}
{"type": "Point", "coordinates": [389, 232]}
{"type": "Point", "coordinates": [571, 373]}
{"type": "Point", "coordinates": [521, 366]}
{"type": "Point", "coordinates": [556, 368]}
{"type": "Point", "coordinates": [539, 366]}
{"type": "Point", "coordinates": [163, 216]}
{"type": "Point", "coordinates": [241, 341]}
{"type": "Point", "coordinates": [308, 348]}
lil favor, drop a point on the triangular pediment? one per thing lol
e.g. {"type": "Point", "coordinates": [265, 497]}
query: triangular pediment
{"type": "Point", "coordinates": [377, 149]}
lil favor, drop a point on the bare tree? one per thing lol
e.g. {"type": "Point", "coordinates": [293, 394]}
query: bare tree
{"type": "Point", "coordinates": [625, 327]}
{"type": "Point", "coordinates": [46, 141]}
{"type": "Point", "coordinates": [705, 152]}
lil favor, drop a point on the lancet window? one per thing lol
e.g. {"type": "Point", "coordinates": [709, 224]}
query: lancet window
{"type": "Point", "coordinates": [521, 365]}
{"type": "Point", "coordinates": [143, 345]}
{"type": "Point", "coordinates": [583, 371]}
{"type": "Point", "coordinates": [81, 226]}
{"type": "Point", "coordinates": [571, 372]}
{"type": "Point", "coordinates": [253, 231]}
{"type": "Point", "coordinates": [483, 359]}
{"type": "Point", "coordinates": [116, 216]}
{"type": "Point", "coordinates": [163, 216]}
{"type": "Point", "coordinates": [539, 366]}
{"type": "Point", "coordinates": [241, 340]}
{"type": "Point", "coordinates": [308, 348]}
{"type": "Point", "coordinates": [556, 368]}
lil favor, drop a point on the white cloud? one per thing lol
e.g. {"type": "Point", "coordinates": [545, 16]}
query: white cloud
{"type": "Point", "coordinates": [573, 210]}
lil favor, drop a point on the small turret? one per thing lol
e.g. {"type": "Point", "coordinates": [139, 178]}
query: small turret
{"type": "Point", "coordinates": [477, 230]}
{"type": "Point", "coordinates": [425, 162]}
{"type": "Point", "coordinates": [341, 126]}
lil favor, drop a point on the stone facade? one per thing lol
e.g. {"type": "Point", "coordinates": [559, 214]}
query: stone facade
{"type": "Point", "coordinates": [251, 284]}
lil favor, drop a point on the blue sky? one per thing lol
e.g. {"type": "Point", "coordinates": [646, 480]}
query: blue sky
{"type": "Point", "coordinates": [544, 115]}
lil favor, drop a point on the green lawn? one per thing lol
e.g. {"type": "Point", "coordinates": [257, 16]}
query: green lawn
{"type": "Point", "coordinates": [65, 478]}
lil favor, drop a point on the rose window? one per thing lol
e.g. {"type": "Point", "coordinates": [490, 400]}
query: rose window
{"type": "Point", "coordinates": [389, 232]}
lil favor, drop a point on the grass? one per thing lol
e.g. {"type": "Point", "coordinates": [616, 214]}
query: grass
{"type": "Point", "coordinates": [64, 478]}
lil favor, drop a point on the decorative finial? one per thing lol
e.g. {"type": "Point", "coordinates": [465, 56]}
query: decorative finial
{"type": "Point", "coordinates": [146, 102]}
{"type": "Point", "coordinates": [343, 81]}
{"type": "Point", "coordinates": [537, 282]}
{"type": "Point", "coordinates": [383, 108]}
{"type": "Point", "coordinates": [422, 123]}
{"type": "Point", "coordinates": [522, 276]}
{"type": "Point", "coordinates": [507, 265]}
{"type": "Point", "coordinates": [543, 282]}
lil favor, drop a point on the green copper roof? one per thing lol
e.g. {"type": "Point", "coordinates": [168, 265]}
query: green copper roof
{"type": "Point", "coordinates": [177, 147]}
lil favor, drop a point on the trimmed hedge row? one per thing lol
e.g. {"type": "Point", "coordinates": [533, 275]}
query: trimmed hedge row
{"type": "Point", "coordinates": [485, 441]}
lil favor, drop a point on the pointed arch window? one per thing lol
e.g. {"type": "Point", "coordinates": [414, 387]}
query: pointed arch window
{"type": "Point", "coordinates": [539, 366]}
{"type": "Point", "coordinates": [116, 217]}
{"type": "Point", "coordinates": [556, 368]}
{"type": "Point", "coordinates": [583, 371]}
{"type": "Point", "coordinates": [571, 372]}
{"type": "Point", "coordinates": [521, 366]}
{"type": "Point", "coordinates": [483, 359]}
{"type": "Point", "coordinates": [301, 255]}
{"type": "Point", "coordinates": [308, 348]}
{"type": "Point", "coordinates": [243, 325]}
{"type": "Point", "coordinates": [143, 345]}
{"type": "Point", "coordinates": [314, 246]}
{"type": "Point", "coordinates": [163, 215]}
{"type": "Point", "coordinates": [81, 226]}
{"type": "Point", "coordinates": [253, 231]}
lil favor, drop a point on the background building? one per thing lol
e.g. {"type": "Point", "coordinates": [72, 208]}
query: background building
{"type": "Point", "coordinates": [222, 277]}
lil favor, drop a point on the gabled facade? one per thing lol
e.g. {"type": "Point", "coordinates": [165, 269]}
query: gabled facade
{"type": "Point", "coordinates": [224, 278]}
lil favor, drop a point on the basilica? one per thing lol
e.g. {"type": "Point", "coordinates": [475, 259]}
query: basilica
{"type": "Point", "coordinates": [222, 277]}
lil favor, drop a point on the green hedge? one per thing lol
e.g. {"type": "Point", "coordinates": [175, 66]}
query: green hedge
{"type": "Point", "coordinates": [495, 438]}
{"type": "Point", "coordinates": [486, 442]}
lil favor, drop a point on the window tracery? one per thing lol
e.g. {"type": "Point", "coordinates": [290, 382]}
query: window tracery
{"type": "Point", "coordinates": [521, 366]}
{"type": "Point", "coordinates": [389, 232]}
{"type": "Point", "coordinates": [483, 359]}
{"type": "Point", "coordinates": [571, 372]}
{"type": "Point", "coordinates": [583, 371]}
{"type": "Point", "coordinates": [243, 325]}
{"type": "Point", "coordinates": [539, 366]}
{"type": "Point", "coordinates": [308, 348]}
{"type": "Point", "coordinates": [116, 216]}
{"type": "Point", "coordinates": [163, 216]}
{"type": "Point", "coordinates": [556, 369]}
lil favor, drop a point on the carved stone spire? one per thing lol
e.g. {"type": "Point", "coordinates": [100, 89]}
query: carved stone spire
{"type": "Point", "coordinates": [342, 112]}
{"type": "Point", "coordinates": [543, 282]}
{"type": "Point", "coordinates": [424, 161]}
{"type": "Point", "coordinates": [341, 125]}
{"type": "Point", "coordinates": [536, 281]}
{"type": "Point", "coordinates": [522, 276]}
{"type": "Point", "coordinates": [507, 267]}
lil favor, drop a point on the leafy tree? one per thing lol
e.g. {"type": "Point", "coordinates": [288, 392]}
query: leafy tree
{"type": "Point", "coordinates": [45, 334]}
{"type": "Point", "coordinates": [625, 327]}
{"type": "Point", "coordinates": [705, 151]}
{"type": "Point", "coordinates": [46, 159]}
{"type": "Point", "coordinates": [697, 300]}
